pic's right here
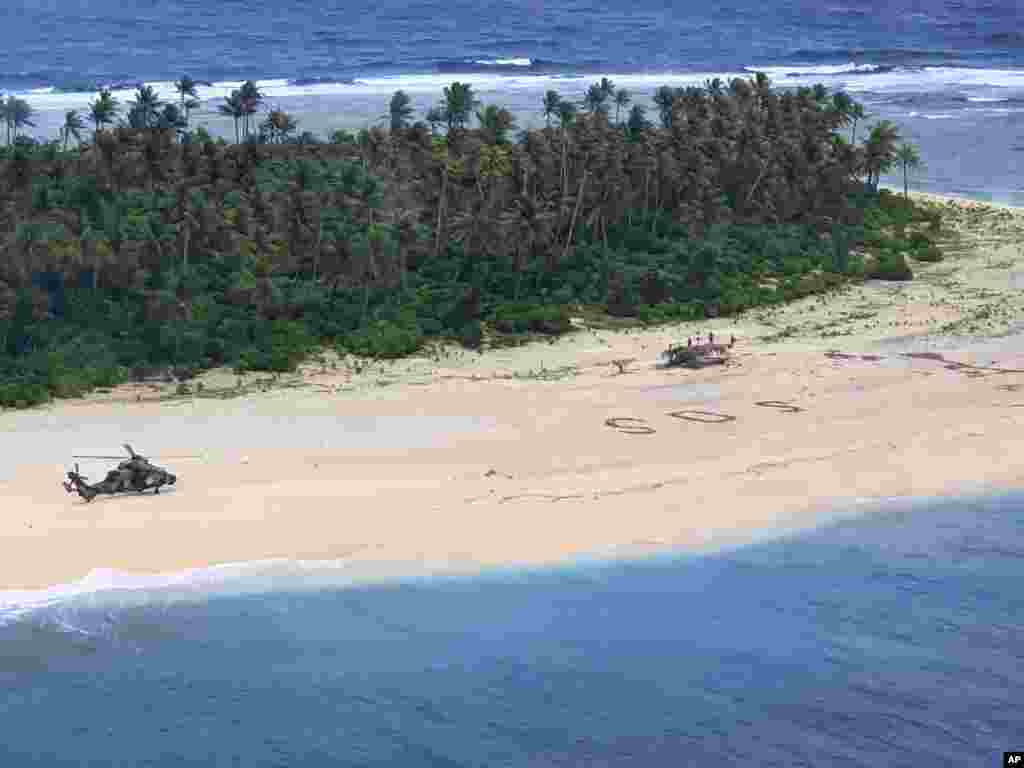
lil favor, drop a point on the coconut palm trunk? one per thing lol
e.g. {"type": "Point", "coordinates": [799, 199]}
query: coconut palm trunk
{"type": "Point", "coordinates": [440, 211]}
{"type": "Point", "coordinates": [575, 213]}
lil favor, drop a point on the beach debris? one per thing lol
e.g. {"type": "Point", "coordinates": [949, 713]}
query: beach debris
{"type": "Point", "coordinates": [135, 474]}
{"type": "Point", "coordinates": [622, 363]}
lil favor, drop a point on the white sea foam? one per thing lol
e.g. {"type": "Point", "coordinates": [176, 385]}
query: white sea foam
{"type": "Point", "coordinates": [109, 589]}
{"type": "Point", "coordinates": [851, 77]}
{"type": "Point", "coordinates": [813, 70]}
{"type": "Point", "coordinates": [505, 62]}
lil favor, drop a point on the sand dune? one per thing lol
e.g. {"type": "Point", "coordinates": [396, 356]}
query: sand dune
{"type": "Point", "coordinates": [456, 460]}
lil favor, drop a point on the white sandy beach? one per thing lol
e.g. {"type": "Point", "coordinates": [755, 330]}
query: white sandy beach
{"type": "Point", "coordinates": [471, 460]}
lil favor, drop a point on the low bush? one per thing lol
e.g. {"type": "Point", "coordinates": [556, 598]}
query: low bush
{"type": "Point", "coordinates": [891, 266]}
{"type": "Point", "coordinates": [472, 334]}
{"type": "Point", "coordinates": [288, 344]}
{"type": "Point", "coordinates": [931, 253]}
{"type": "Point", "coordinates": [383, 338]}
{"type": "Point", "coordinates": [525, 317]}
{"type": "Point", "coordinates": [23, 394]}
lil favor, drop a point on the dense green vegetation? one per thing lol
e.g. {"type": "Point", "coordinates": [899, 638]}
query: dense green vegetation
{"type": "Point", "coordinates": [156, 249]}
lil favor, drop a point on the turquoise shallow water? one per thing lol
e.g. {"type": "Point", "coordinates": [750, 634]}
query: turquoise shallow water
{"type": "Point", "coordinates": [894, 638]}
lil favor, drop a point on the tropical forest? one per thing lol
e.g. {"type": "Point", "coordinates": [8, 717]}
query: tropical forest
{"type": "Point", "coordinates": [135, 245]}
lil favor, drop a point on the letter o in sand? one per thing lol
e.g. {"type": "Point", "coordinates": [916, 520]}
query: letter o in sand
{"type": "Point", "coordinates": [639, 427]}
{"type": "Point", "coordinates": [716, 418]}
{"type": "Point", "coordinates": [780, 405]}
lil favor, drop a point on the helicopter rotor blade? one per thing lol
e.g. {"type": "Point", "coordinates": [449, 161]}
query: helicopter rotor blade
{"type": "Point", "coordinates": [122, 456]}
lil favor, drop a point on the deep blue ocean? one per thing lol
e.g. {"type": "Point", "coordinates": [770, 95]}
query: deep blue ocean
{"type": "Point", "coordinates": [891, 638]}
{"type": "Point", "coordinates": [50, 42]}
{"type": "Point", "coordinates": [951, 72]}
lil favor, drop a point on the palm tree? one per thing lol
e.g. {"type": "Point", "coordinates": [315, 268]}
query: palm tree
{"type": "Point", "coordinates": [186, 86]}
{"type": "Point", "coordinates": [23, 113]}
{"type": "Point", "coordinates": [279, 126]}
{"type": "Point", "coordinates": [595, 99]}
{"type": "Point", "coordinates": [622, 100]}
{"type": "Point", "coordinates": [566, 114]}
{"type": "Point", "coordinates": [637, 121]}
{"type": "Point", "coordinates": [233, 108]}
{"type": "Point", "coordinates": [146, 106]}
{"type": "Point", "coordinates": [496, 122]}
{"type": "Point", "coordinates": [251, 99]}
{"type": "Point", "coordinates": [190, 104]}
{"type": "Point", "coordinates": [715, 87]}
{"type": "Point", "coordinates": [761, 83]}
{"type": "Point", "coordinates": [458, 104]}
{"type": "Point", "coordinates": [16, 113]}
{"type": "Point", "coordinates": [73, 126]}
{"type": "Point", "coordinates": [552, 101]}
{"type": "Point", "coordinates": [399, 110]}
{"type": "Point", "coordinates": [5, 115]}
{"type": "Point", "coordinates": [880, 150]}
{"type": "Point", "coordinates": [856, 112]}
{"type": "Point", "coordinates": [607, 88]}
{"type": "Point", "coordinates": [170, 118]}
{"type": "Point", "coordinates": [908, 156]}
{"type": "Point", "coordinates": [664, 99]}
{"type": "Point", "coordinates": [434, 117]}
{"type": "Point", "coordinates": [103, 110]}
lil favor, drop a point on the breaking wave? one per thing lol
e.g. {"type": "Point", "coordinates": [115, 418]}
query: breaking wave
{"type": "Point", "coordinates": [886, 56]}
{"type": "Point", "coordinates": [86, 605]}
{"type": "Point", "coordinates": [512, 65]}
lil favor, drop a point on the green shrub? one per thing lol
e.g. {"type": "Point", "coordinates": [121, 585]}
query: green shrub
{"type": "Point", "coordinates": [891, 266]}
{"type": "Point", "coordinates": [287, 344]}
{"type": "Point", "coordinates": [383, 338]}
{"type": "Point", "coordinates": [472, 334]}
{"type": "Point", "coordinates": [931, 253]}
{"type": "Point", "coordinates": [918, 240]}
{"type": "Point", "coordinates": [23, 394]}
{"type": "Point", "coordinates": [651, 314]}
{"type": "Point", "coordinates": [70, 384]}
{"type": "Point", "coordinates": [522, 317]}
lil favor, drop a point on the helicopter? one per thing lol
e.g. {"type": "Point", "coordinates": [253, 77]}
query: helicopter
{"type": "Point", "coordinates": [135, 474]}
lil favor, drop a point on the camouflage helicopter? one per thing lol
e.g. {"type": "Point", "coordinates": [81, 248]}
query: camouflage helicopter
{"type": "Point", "coordinates": [135, 474]}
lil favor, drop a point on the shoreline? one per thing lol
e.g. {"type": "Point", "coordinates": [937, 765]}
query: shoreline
{"type": "Point", "coordinates": [465, 461]}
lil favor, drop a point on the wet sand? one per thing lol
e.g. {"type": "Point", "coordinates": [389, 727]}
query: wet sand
{"type": "Point", "coordinates": [456, 460]}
